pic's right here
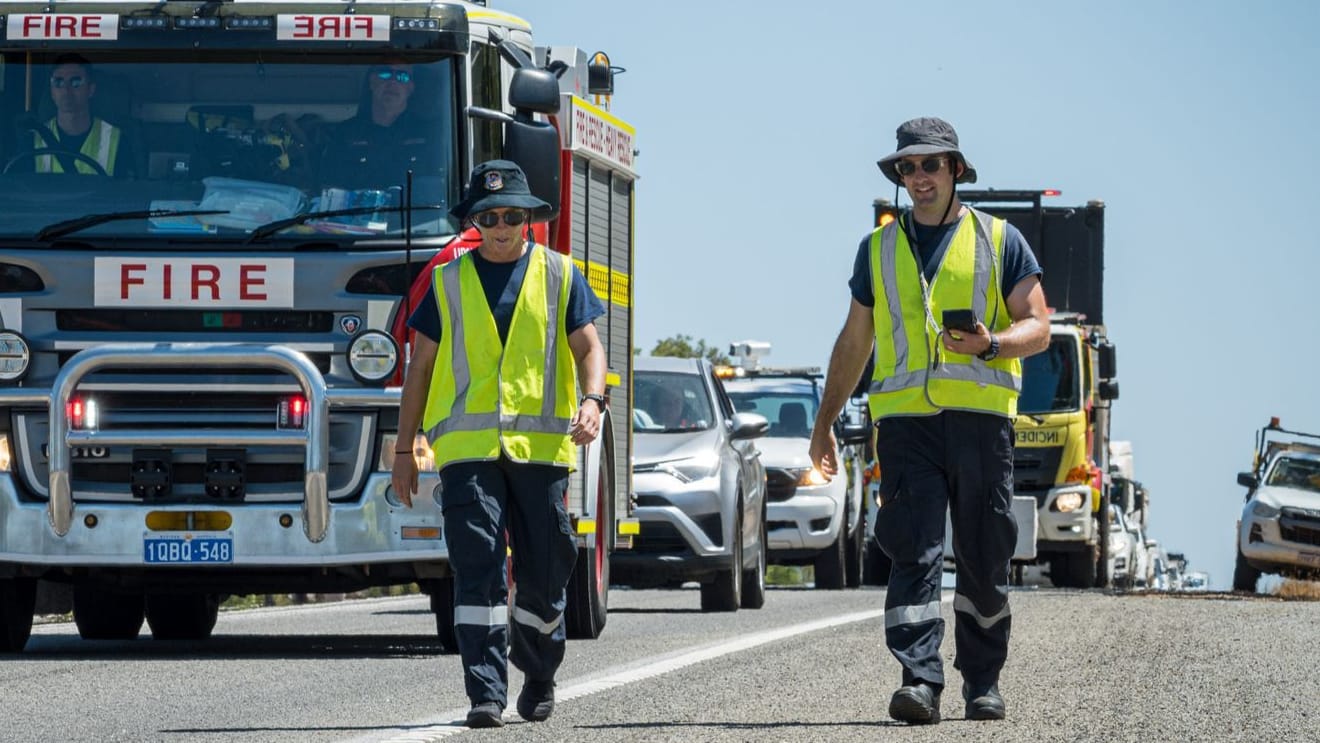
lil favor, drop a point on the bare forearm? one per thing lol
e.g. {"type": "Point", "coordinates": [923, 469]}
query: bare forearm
{"type": "Point", "coordinates": [848, 359]}
{"type": "Point", "coordinates": [412, 403]}
{"type": "Point", "coordinates": [1024, 337]}
{"type": "Point", "coordinates": [590, 358]}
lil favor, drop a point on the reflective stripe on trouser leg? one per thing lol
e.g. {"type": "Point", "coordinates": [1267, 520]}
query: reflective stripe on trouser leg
{"type": "Point", "coordinates": [910, 529]}
{"type": "Point", "coordinates": [984, 536]}
{"type": "Point", "coordinates": [544, 551]}
{"type": "Point", "coordinates": [473, 498]}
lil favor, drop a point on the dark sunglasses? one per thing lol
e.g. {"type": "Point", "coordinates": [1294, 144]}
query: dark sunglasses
{"type": "Point", "coordinates": [490, 219]}
{"type": "Point", "coordinates": [402, 76]}
{"type": "Point", "coordinates": [73, 82]}
{"type": "Point", "coordinates": [929, 165]}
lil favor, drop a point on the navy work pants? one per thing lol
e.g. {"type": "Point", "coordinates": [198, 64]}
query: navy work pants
{"type": "Point", "coordinates": [480, 500]}
{"type": "Point", "coordinates": [963, 462]}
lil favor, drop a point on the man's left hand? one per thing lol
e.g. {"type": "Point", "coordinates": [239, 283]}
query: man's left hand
{"type": "Point", "coordinates": [586, 423]}
{"type": "Point", "coordinates": [968, 344]}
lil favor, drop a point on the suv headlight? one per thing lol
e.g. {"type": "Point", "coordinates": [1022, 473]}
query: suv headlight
{"type": "Point", "coordinates": [1264, 510]}
{"type": "Point", "coordinates": [692, 468]}
{"type": "Point", "coordinates": [807, 476]}
{"type": "Point", "coordinates": [15, 356]}
{"type": "Point", "coordinates": [373, 356]}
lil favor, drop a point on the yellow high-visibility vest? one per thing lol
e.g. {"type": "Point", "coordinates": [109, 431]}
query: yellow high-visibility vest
{"type": "Point", "coordinates": [908, 313]}
{"type": "Point", "coordinates": [101, 145]}
{"type": "Point", "coordinates": [518, 396]}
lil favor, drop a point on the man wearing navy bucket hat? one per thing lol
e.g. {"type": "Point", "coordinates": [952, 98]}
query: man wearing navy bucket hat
{"type": "Point", "coordinates": [504, 340]}
{"type": "Point", "coordinates": [946, 300]}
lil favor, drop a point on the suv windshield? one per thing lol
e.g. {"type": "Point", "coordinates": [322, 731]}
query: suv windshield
{"type": "Point", "coordinates": [1291, 472]}
{"type": "Point", "coordinates": [254, 137]}
{"type": "Point", "coordinates": [1049, 379]}
{"type": "Point", "coordinates": [791, 409]}
{"type": "Point", "coordinates": [668, 402]}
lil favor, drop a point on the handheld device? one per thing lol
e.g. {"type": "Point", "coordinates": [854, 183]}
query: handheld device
{"type": "Point", "coordinates": [964, 320]}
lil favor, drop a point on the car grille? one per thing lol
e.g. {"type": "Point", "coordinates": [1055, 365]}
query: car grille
{"type": "Point", "coordinates": [780, 485]}
{"type": "Point", "coordinates": [1300, 526]}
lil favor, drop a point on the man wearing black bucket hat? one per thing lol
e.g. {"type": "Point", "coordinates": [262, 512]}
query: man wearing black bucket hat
{"type": "Point", "coordinates": [504, 338]}
{"type": "Point", "coordinates": [946, 301]}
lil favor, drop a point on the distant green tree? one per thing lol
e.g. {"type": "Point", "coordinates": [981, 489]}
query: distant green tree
{"type": "Point", "coordinates": [682, 346]}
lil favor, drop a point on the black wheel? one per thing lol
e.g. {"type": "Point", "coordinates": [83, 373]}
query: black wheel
{"type": "Point", "coordinates": [442, 605]}
{"type": "Point", "coordinates": [1244, 576]}
{"type": "Point", "coordinates": [589, 585]}
{"type": "Point", "coordinates": [18, 599]}
{"type": "Point", "coordinates": [753, 580]}
{"type": "Point", "coordinates": [831, 564]}
{"type": "Point", "coordinates": [1102, 576]}
{"type": "Point", "coordinates": [876, 570]}
{"type": "Point", "coordinates": [186, 617]}
{"type": "Point", "coordinates": [38, 152]}
{"type": "Point", "coordinates": [856, 556]}
{"type": "Point", "coordinates": [725, 592]}
{"type": "Point", "coordinates": [1079, 569]}
{"type": "Point", "coordinates": [105, 615]}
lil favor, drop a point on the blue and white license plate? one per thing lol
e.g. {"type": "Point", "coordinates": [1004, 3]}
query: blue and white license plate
{"type": "Point", "coordinates": [187, 549]}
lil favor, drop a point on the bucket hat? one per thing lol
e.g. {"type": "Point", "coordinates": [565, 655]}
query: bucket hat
{"type": "Point", "coordinates": [925, 136]}
{"type": "Point", "coordinates": [494, 184]}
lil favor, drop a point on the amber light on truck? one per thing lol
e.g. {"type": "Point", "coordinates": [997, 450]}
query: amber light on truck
{"type": "Point", "coordinates": [1079, 475]}
{"type": "Point", "coordinates": [189, 521]}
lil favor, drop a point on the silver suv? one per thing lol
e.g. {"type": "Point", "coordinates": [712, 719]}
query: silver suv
{"type": "Point", "coordinates": [699, 487]}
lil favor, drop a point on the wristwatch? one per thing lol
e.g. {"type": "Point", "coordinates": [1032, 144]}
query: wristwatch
{"type": "Point", "coordinates": [600, 400]}
{"type": "Point", "coordinates": [991, 352]}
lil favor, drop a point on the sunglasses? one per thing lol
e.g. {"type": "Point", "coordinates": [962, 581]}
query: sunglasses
{"type": "Point", "coordinates": [73, 82]}
{"type": "Point", "coordinates": [402, 76]}
{"type": "Point", "coordinates": [929, 165]}
{"type": "Point", "coordinates": [490, 219]}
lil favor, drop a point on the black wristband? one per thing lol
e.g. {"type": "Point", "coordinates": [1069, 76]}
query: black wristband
{"type": "Point", "coordinates": [598, 399]}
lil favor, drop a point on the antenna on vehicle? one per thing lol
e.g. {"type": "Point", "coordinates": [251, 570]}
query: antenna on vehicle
{"type": "Point", "coordinates": [407, 263]}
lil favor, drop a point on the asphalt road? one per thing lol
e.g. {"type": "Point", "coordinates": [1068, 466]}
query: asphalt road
{"type": "Point", "coordinates": [811, 665]}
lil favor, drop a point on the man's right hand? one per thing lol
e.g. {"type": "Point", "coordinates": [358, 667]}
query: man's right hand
{"type": "Point", "coordinates": [403, 477]}
{"type": "Point", "coordinates": [823, 448]}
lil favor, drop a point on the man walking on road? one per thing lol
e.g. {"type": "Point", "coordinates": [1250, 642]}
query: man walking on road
{"type": "Point", "coordinates": [949, 299]}
{"type": "Point", "coordinates": [493, 385]}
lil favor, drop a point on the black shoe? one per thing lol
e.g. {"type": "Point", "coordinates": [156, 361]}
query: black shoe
{"type": "Point", "coordinates": [485, 715]}
{"type": "Point", "coordinates": [537, 700]}
{"type": "Point", "coordinates": [983, 703]}
{"type": "Point", "coordinates": [918, 704]}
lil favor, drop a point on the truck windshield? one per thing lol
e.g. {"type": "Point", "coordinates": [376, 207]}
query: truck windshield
{"type": "Point", "coordinates": [1291, 472]}
{"type": "Point", "coordinates": [253, 137]}
{"type": "Point", "coordinates": [1050, 382]}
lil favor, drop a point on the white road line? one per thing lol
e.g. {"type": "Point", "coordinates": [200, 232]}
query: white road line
{"type": "Point", "coordinates": [427, 730]}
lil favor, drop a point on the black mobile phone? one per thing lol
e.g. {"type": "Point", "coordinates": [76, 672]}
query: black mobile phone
{"type": "Point", "coordinates": [964, 320]}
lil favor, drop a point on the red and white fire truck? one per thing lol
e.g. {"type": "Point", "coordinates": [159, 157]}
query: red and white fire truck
{"type": "Point", "coordinates": [203, 296]}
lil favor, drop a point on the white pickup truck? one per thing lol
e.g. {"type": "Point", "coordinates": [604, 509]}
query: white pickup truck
{"type": "Point", "coordinates": [1279, 531]}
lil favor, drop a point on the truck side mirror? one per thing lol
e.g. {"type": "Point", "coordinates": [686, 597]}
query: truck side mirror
{"type": "Point", "coordinates": [1107, 389]}
{"type": "Point", "coordinates": [534, 145]}
{"type": "Point", "coordinates": [534, 91]}
{"type": "Point", "coordinates": [858, 434]}
{"type": "Point", "coordinates": [1108, 359]}
{"type": "Point", "coordinates": [1248, 480]}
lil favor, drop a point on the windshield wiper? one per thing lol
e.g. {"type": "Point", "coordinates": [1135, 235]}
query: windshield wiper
{"type": "Point", "coordinates": [59, 229]}
{"type": "Point", "coordinates": [270, 228]}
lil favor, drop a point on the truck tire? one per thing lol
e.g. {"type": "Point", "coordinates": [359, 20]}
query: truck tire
{"type": "Point", "coordinates": [831, 563]}
{"type": "Point", "coordinates": [852, 574]}
{"type": "Point", "coordinates": [1244, 576]}
{"type": "Point", "coordinates": [589, 585]}
{"type": "Point", "coordinates": [1102, 576]}
{"type": "Point", "coordinates": [18, 598]}
{"type": "Point", "coordinates": [104, 615]}
{"type": "Point", "coordinates": [753, 579]}
{"type": "Point", "coordinates": [725, 592]}
{"type": "Point", "coordinates": [1082, 568]}
{"type": "Point", "coordinates": [875, 571]}
{"type": "Point", "coordinates": [442, 605]}
{"type": "Point", "coordinates": [186, 617]}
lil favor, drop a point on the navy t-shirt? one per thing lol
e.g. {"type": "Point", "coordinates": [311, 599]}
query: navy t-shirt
{"type": "Point", "coordinates": [502, 282]}
{"type": "Point", "coordinates": [932, 241]}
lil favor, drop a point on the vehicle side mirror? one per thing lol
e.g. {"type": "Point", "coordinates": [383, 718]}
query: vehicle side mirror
{"type": "Point", "coordinates": [1107, 389]}
{"type": "Point", "coordinates": [858, 434]}
{"type": "Point", "coordinates": [534, 91]}
{"type": "Point", "coordinates": [1108, 360]}
{"type": "Point", "coordinates": [1248, 480]}
{"type": "Point", "coordinates": [748, 426]}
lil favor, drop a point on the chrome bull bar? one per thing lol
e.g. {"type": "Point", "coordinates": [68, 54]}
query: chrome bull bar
{"type": "Point", "coordinates": [314, 436]}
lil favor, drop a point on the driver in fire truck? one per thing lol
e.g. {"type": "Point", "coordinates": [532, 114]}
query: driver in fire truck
{"type": "Point", "coordinates": [75, 140]}
{"type": "Point", "coordinates": [386, 138]}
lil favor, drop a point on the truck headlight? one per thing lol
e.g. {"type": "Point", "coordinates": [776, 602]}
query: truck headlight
{"type": "Point", "coordinates": [421, 452]}
{"type": "Point", "coordinates": [5, 456]}
{"type": "Point", "coordinates": [15, 356]}
{"type": "Point", "coordinates": [808, 476]}
{"type": "Point", "coordinates": [1264, 510]}
{"type": "Point", "coordinates": [373, 356]}
{"type": "Point", "coordinates": [1068, 502]}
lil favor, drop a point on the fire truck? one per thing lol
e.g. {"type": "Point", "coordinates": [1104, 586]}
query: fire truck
{"type": "Point", "coordinates": [203, 304]}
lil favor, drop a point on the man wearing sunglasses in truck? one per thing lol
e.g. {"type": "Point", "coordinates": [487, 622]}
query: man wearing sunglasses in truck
{"type": "Point", "coordinates": [377, 146]}
{"type": "Point", "coordinates": [947, 301]}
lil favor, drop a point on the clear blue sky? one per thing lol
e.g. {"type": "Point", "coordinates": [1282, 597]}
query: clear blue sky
{"type": "Point", "coordinates": [759, 124]}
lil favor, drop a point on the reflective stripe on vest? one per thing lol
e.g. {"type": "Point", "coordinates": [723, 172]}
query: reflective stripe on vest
{"type": "Point", "coordinates": [518, 397]}
{"type": "Point", "coordinates": [101, 145]}
{"type": "Point", "coordinates": [905, 381]}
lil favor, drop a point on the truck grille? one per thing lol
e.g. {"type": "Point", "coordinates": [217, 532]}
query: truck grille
{"type": "Point", "coordinates": [780, 485]}
{"type": "Point", "coordinates": [1300, 526]}
{"type": "Point", "coordinates": [194, 321]}
{"type": "Point", "coordinates": [1034, 470]}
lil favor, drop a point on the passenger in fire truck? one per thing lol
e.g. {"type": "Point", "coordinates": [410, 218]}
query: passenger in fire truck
{"type": "Point", "coordinates": [376, 148]}
{"type": "Point", "coordinates": [76, 140]}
